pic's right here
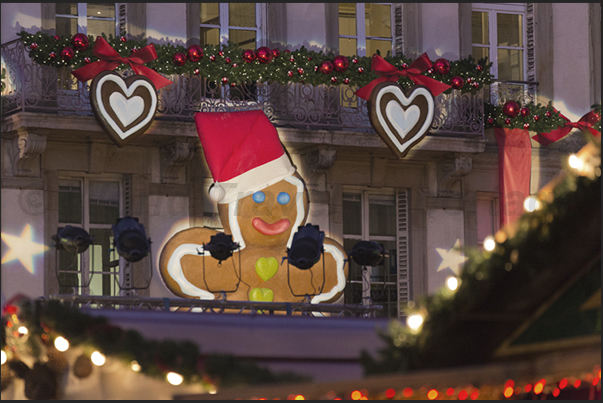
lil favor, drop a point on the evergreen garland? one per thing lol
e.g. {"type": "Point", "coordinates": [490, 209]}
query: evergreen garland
{"type": "Point", "coordinates": [539, 119]}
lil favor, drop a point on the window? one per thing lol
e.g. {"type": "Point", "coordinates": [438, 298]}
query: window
{"type": "Point", "coordinates": [86, 18]}
{"type": "Point", "coordinates": [488, 216]}
{"type": "Point", "coordinates": [369, 216]}
{"type": "Point", "coordinates": [365, 28]}
{"type": "Point", "coordinates": [498, 33]}
{"type": "Point", "coordinates": [239, 23]}
{"type": "Point", "coordinates": [93, 205]}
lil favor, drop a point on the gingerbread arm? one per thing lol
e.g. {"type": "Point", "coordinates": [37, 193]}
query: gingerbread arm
{"type": "Point", "coordinates": [335, 251]}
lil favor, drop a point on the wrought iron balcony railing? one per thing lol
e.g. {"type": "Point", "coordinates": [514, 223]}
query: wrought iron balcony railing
{"type": "Point", "coordinates": [31, 87]}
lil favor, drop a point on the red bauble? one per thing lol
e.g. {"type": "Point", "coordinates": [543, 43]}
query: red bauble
{"type": "Point", "coordinates": [80, 42]}
{"type": "Point", "coordinates": [316, 69]}
{"type": "Point", "coordinates": [333, 79]}
{"type": "Point", "coordinates": [441, 66]}
{"type": "Point", "coordinates": [235, 65]}
{"type": "Point", "coordinates": [326, 67]}
{"type": "Point", "coordinates": [123, 39]}
{"type": "Point", "coordinates": [87, 60]}
{"type": "Point", "coordinates": [340, 64]}
{"type": "Point", "coordinates": [309, 58]}
{"type": "Point", "coordinates": [475, 84]}
{"type": "Point", "coordinates": [221, 53]}
{"type": "Point", "coordinates": [479, 67]}
{"type": "Point", "coordinates": [300, 71]}
{"type": "Point", "coordinates": [290, 73]}
{"type": "Point", "coordinates": [52, 55]}
{"type": "Point", "coordinates": [67, 53]}
{"type": "Point", "coordinates": [264, 55]}
{"type": "Point", "coordinates": [224, 80]}
{"type": "Point", "coordinates": [276, 53]}
{"type": "Point", "coordinates": [134, 50]}
{"type": "Point", "coordinates": [228, 60]}
{"type": "Point", "coordinates": [196, 72]}
{"type": "Point", "coordinates": [194, 53]}
{"type": "Point", "coordinates": [548, 114]}
{"type": "Point", "coordinates": [511, 108]}
{"type": "Point", "coordinates": [360, 70]}
{"type": "Point", "coordinates": [526, 126]}
{"type": "Point", "coordinates": [524, 111]}
{"type": "Point", "coordinates": [292, 59]}
{"type": "Point", "coordinates": [430, 70]}
{"type": "Point", "coordinates": [33, 46]}
{"type": "Point", "coordinates": [179, 59]}
{"type": "Point", "coordinates": [248, 55]}
{"type": "Point", "coordinates": [536, 118]}
{"type": "Point", "coordinates": [355, 61]}
{"type": "Point", "coordinates": [287, 51]}
{"type": "Point", "coordinates": [457, 82]}
{"type": "Point", "coordinates": [404, 66]}
{"type": "Point", "coordinates": [490, 121]}
{"type": "Point", "coordinates": [212, 58]}
{"type": "Point", "coordinates": [346, 81]}
{"type": "Point", "coordinates": [57, 38]}
{"type": "Point", "coordinates": [507, 121]}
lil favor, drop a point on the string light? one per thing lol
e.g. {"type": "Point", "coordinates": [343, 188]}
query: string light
{"type": "Point", "coordinates": [531, 203]}
{"type": "Point", "coordinates": [575, 162]}
{"type": "Point", "coordinates": [23, 330]}
{"type": "Point", "coordinates": [452, 283]}
{"type": "Point", "coordinates": [489, 243]}
{"type": "Point", "coordinates": [135, 366]}
{"type": "Point", "coordinates": [174, 378]}
{"type": "Point", "coordinates": [415, 321]}
{"type": "Point", "coordinates": [3, 358]}
{"type": "Point", "coordinates": [61, 344]}
{"type": "Point", "coordinates": [98, 358]}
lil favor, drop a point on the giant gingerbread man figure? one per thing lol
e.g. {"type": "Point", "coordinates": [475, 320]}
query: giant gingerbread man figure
{"type": "Point", "coordinates": [262, 201]}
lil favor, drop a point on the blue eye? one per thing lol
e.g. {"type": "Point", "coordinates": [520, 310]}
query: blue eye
{"type": "Point", "coordinates": [283, 198]}
{"type": "Point", "coordinates": [259, 197]}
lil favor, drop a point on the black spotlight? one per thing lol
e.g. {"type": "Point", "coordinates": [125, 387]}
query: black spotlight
{"type": "Point", "coordinates": [72, 239]}
{"type": "Point", "coordinates": [130, 239]}
{"type": "Point", "coordinates": [220, 246]}
{"type": "Point", "coordinates": [367, 253]}
{"type": "Point", "coordinates": [306, 247]}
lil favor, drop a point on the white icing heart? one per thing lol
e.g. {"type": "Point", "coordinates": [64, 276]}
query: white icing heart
{"type": "Point", "coordinates": [133, 109]}
{"type": "Point", "coordinates": [127, 110]}
{"type": "Point", "coordinates": [402, 120]}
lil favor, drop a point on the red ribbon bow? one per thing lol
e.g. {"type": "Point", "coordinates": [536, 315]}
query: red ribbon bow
{"type": "Point", "coordinates": [585, 123]}
{"type": "Point", "coordinates": [390, 73]}
{"type": "Point", "coordinates": [110, 60]}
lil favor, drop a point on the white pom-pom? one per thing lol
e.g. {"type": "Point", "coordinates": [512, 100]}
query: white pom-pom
{"type": "Point", "coordinates": [216, 192]}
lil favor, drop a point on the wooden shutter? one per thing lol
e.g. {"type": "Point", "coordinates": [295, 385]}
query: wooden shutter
{"type": "Point", "coordinates": [530, 38]}
{"type": "Point", "coordinates": [398, 32]}
{"type": "Point", "coordinates": [122, 18]}
{"type": "Point", "coordinates": [403, 240]}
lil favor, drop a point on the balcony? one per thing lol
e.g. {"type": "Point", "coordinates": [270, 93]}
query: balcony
{"type": "Point", "coordinates": [42, 89]}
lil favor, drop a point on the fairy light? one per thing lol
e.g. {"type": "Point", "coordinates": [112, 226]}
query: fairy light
{"type": "Point", "coordinates": [3, 358]}
{"type": "Point", "coordinates": [531, 203]}
{"type": "Point", "coordinates": [174, 378]}
{"type": "Point", "coordinates": [98, 358]}
{"type": "Point", "coordinates": [489, 243]}
{"type": "Point", "coordinates": [575, 162]}
{"type": "Point", "coordinates": [61, 344]}
{"type": "Point", "coordinates": [452, 283]}
{"type": "Point", "coordinates": [135, 366]}
{"type": "Point", "coordinates": [23, 330]}
{"type": "Point", "coordinates": [415, 321]}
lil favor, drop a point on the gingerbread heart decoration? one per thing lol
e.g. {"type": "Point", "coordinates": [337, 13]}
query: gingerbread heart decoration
{"type": "Point", "coordinates": [124, 108]}
{"type": "Point", "coordinates": [401, 117]}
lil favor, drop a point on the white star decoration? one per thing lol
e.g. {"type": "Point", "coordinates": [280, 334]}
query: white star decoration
{"type": "Point", "coordinates": [22, 248]}
{"type": "Point", "coordinates": [452, 258]}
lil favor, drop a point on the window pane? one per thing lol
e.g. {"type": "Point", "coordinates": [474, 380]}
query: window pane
{"type": "Point", "coordinates": [70, 202]}
{"type": "Point", "coordinates": [210, 36]}
{"type": "Point", "coordinates": [347, 47]}
{"type": "Point", "coordinates": [387, 270]}
{"type": "Point", "coordinates": [66, 26]}
{"type": "Point", "coordinates": [352, 214]}
{"type": "Point", "coordinates": [104, 202]}
{"type": "Point", "coordinates": [102, 260]}
{"type": "Point", "coordinates": [69, 272]}
{"type": "Point", "coordinates": [241, 15]}
{"type": "Point", "coordinates": [386, 296]}
{"type": "Point", "coordinates": [510, 65]}
{"type": "Point", "coordinates": [479, 53]}
{"type": "Point", "coordinates": [485, 219]}
{"type": "Point", "coordinates": [97, 27]}
{"type": "Point", "coordinates": [355, 269]}
{"type": "Point", "coordinates": [479, 28]}
{"type": "Point", "coordinates": [104, 10]}
{"type": "Point", "coordinates": [382, 215]}
{"type": "Point", "coordinates": [210, 13]}
{"type": "Point", "coordinates": [347, 19]}
{"type": "Point", "coordinates": [378, 22]}
{"type": "Point", "coordinates": [66, 8]}
{"type": "Point", "coordinates": [509, 29]}
{"type": "Point", "coordinates": [241, 38]}
{"type": "Point", "coordinates": [372, 45]}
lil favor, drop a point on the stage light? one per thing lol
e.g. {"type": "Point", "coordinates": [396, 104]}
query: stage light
{"type": "Point", "coordinates": [74, 240]}
{"type": "Point", "coordinates": [306, 247]}
{"type": "Point", "coordinates": [220, 246]}
{"type": "Point", "coordinates": [130, 239]}
{"type": "Point", "coordinates": [367, 253]}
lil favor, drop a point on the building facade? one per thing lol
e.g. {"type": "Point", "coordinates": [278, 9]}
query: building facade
{"type": "Point", "coordinates": [59, 168]}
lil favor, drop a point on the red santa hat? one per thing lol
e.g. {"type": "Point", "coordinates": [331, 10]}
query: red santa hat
{"type": "Point", "coordinates": [243, 152]}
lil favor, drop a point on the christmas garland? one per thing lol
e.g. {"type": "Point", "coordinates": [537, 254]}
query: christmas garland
{"type": "Point", "coordinates": [519, 256]}
{"type": "Point", "coordinates": [228, 64]}
{"type": "Point", "coordinates": [30, 328]}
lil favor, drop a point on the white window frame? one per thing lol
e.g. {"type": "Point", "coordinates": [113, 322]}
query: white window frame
{"type": "Point", "coordinates": [84, 258]}
{"type": "Point", "coordinates": [260, 24]}
{"type": "Point", "coordinates": [493, 198]}
{"type": "Point", "coordinates": [361, 30]}
{"type": "Point", "coordinates": [504, 8]}
{"type": "Point", "coordinates": [365, 236]}
{"type": "Point", "coordinates": [82, 18]}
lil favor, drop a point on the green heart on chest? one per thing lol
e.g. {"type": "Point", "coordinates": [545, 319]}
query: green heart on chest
{"type": "Point", "coordinates": [261, 294]}
{"type": "Point", "coordinates": [266, 268]}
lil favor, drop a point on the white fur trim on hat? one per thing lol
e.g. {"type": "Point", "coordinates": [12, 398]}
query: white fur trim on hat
{"type": "Point", "coordinates": [253, 180]}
